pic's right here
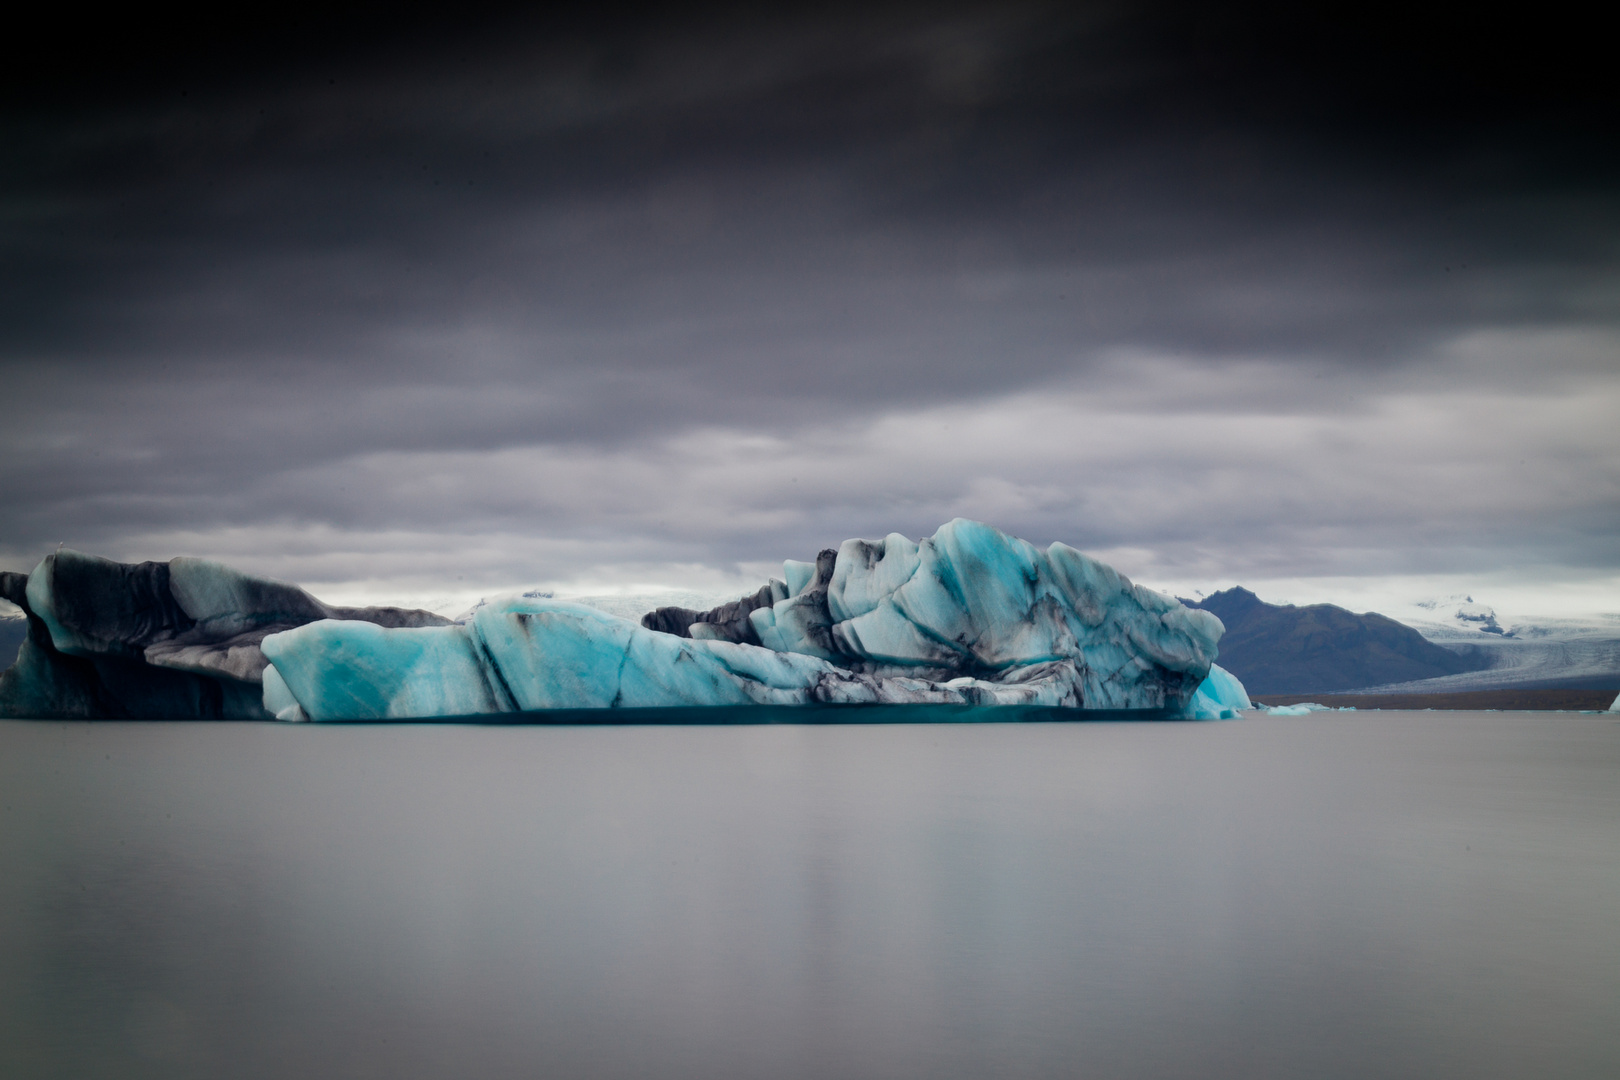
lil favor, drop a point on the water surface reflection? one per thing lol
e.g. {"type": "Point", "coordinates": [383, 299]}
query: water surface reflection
{"type": "Point", "coordinates": [1356, 896]}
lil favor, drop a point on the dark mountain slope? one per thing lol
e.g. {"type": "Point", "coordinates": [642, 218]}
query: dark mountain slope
{"type": "Point", "coordinates": [1283, 649]}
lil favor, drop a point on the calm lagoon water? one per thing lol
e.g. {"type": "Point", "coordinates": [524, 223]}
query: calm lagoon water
{"type": "Point", "coordinates": [1347, 895]}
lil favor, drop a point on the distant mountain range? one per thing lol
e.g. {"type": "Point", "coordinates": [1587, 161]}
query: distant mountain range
{"type": "Point", "coordinates": [1283, 649]}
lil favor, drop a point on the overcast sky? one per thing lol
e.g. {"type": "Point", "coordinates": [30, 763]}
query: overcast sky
{"type": "Point", "coordinates": [412, 309]}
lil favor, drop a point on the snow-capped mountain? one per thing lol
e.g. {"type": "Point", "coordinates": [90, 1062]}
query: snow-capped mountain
{"type": "Point", "coordinates": [1516, 649]}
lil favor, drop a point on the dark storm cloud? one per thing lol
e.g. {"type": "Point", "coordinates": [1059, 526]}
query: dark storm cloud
{"type": "Point", "coordinates": [240, 285]}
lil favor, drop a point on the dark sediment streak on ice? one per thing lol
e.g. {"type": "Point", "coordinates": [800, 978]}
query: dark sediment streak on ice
{"type": "Point", "coordinates": [154, 640]}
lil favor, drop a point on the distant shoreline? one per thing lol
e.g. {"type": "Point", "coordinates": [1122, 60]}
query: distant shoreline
{"type": "Point", "coordinates": [1540, 700]}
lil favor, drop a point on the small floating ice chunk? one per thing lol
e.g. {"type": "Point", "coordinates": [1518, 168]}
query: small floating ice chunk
{"type": "Point", "coordinates": [1305, 708]}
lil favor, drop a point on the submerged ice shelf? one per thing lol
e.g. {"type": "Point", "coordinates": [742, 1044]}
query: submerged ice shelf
{"type": "Point", "coordinates": [969, 616]}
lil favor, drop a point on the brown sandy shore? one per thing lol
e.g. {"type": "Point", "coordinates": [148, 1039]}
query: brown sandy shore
{"type": "Point", "coordinates": [1471, 699]}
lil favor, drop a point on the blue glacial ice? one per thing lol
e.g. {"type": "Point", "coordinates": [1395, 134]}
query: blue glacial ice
{"type": "Point", "coordinates": [526, 655]}
{"type": "Point", "coordinates": [968, 616]}
{"type": "Point", "coordinates": [1219, 697]}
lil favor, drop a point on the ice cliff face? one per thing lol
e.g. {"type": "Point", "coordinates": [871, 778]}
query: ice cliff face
{"type": "Point", "coordinates": [968, 616]}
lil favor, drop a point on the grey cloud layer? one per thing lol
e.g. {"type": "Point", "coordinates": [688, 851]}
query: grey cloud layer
{"type": "Point", "coordinates": [590, 290]}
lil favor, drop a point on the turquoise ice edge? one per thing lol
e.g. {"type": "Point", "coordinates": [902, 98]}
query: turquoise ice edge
{"type": "Point", "coordinates": [753, 715]}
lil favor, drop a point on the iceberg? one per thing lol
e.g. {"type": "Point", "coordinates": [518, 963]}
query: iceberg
{"type": "Point", "coordinates": [1305, 708]}
{"type": "Point", "coordinates": [968, 616]}
{"type": "Point", "coordinates": [155, 640]}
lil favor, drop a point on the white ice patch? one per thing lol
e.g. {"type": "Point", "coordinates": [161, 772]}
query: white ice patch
{"type": "Point", "coordinates": [1305, 708]}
